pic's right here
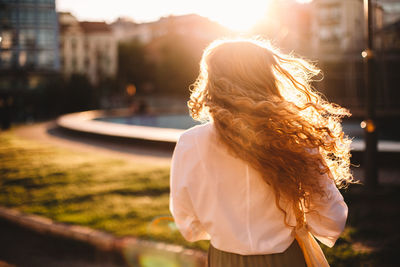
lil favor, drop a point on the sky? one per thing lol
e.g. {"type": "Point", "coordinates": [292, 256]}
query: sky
{"type": "Point", "coordinates": [236, 14]}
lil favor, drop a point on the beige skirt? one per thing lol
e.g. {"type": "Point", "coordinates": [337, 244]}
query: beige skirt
{"type": "Point", "coordinates": [292, 257]}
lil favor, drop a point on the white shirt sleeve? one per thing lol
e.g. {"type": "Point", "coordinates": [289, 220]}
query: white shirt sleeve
{"type": "Point", "coordinates": [329, 221]}
{"type": "Point", "coordinates": [185, 166]}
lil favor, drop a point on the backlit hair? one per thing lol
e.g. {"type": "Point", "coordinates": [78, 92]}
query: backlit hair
{"type": "Point", "coordinates": [266, 113]}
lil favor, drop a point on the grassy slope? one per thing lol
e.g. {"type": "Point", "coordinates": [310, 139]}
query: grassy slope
{"type": "Point", "coordinates": [86, 189]}
{"type": "Point", "coordinates": [132, 199]}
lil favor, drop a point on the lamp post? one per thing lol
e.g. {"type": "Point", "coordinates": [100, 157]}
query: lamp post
{"type": "Point", "coordinates": [370, 127]}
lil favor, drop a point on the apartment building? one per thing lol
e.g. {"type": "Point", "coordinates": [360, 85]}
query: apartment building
{"type": "Point", "coordinates": [87, 48]}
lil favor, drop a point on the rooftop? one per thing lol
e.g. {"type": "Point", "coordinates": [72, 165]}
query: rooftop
{"type": "Point", "coordinates": [90, 27]}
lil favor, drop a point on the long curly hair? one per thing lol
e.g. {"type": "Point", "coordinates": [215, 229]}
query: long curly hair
{"type": "Point", "coordinates": [266, 112]}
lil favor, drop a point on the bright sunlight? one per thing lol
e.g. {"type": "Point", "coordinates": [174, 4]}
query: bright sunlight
{"type": "Point", "coordinates": [237, 15]}
{"type": "Point", "coordinates": [304, 1]}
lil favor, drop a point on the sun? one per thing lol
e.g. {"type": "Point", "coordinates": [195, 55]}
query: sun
{"type": "Point", "coordinates": [239, 16]}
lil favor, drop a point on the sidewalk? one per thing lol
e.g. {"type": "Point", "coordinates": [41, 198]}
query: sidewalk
{"type": "Point", "coordinates": [49, 133]}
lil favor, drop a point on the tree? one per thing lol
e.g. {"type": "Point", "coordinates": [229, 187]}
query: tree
{"type": "Point", "coordinates": [177, 64]}
{"type": "Point", "coordinates": [133, 67]}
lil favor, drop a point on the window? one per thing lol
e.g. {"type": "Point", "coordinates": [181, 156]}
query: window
{"type": "Point", "coordinates": [329, 14]}
{"type": "Point", "coordinates": [46, 1]}
{"type": "Point", "coordinates": [74, 64]}
{"type": "Point", "coordinates": [27, 38]}
{"type": "Point", "coordinates": [28, 1]}
{"type": "Point", "coordinates": [46, 59]}
{"type": "Point", "coordinates": [46, 38]}
{"type": "Point", "coordinates": [22, 58]}
{"type": "Point", "coordinates": [6, 40]}
{"type": "Point", "coordinates": [30, 59]}
{"type": "Point", "coordinates": [5, 59]}
{"type": "Point", "coordinates": [329, 34]}
{"type": "Point", "coordinates": [14, 15]}
{"type": "Point", "coordinates": [46, 16]}
{"type": "Point", "coordinates": [74, 44]}
{"type": "Point", "coordinates": [27, 16]}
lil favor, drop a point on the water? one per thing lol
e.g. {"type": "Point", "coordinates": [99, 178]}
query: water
{"type": "Point", "coordinates": [388, 131]}
{"type": "Point", "coordinates": [176, 121]}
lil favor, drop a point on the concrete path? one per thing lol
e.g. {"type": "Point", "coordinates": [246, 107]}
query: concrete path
{"type": "Point", "coordinates": [49, 133]}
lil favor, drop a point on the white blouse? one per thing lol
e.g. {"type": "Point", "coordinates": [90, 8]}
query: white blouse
{"type": "Point", "coordinates": [217, 196]}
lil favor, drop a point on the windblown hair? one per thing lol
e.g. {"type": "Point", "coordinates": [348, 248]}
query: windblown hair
{"type": "Point", "coordinates": [266, 112]}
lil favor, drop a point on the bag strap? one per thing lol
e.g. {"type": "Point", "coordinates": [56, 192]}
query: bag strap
{"type": "Point", "coordinates": [313, 254]}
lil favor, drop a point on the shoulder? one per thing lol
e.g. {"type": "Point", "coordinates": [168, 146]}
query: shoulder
{"type": "Point", "coordinates": [193, 141]}
{"type": "Point", "coordinates": [189, 152]}
{"type": "Point", "coordinates": [197, 133]}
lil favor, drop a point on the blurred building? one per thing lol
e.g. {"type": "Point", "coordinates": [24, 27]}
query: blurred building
{"type": "Point", "coordinates": [124, 29]}
{"type": "Point", "coordinates": [288, 25]}
{"type": "Point", "coordinates": [330, 29]}
{"type": "Point", "coordinates": [72, 53]}
{"type": "Point", "coordinates": [389, 36]}
{"type": "Point", "coordinates": [333, 34]}
{"type": "Point", "coordinates": [87, 48]}
{"type": "Point", "coordinates": [337, 28]}
{"type": "Point", "coordinates": [391, 10]}
{"type": "Point", "coordinates": [28, 43]}
{"type": "Point", "coordinates": [191, 25]}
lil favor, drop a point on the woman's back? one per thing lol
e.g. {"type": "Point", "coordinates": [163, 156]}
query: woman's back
{"type": "Point", "coordinates": [218, 196]}
{"type": "Point", "coordinates": [266, 164]}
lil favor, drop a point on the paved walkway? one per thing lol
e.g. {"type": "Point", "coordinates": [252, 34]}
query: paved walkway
{"type": "Point", "coordinates": [49, 133]}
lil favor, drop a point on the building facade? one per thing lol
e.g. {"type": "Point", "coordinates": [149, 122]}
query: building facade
{"type": "Point", "coordinates": [28, 42]}
{"type": "Point", "coordinates": [337, 27]}
{"type": "Point", "coordinates": [191, 25]}
{"type": "Point", "coordinates": [331, 33]}
{"type": "Point", "coordinates": [87, 48]}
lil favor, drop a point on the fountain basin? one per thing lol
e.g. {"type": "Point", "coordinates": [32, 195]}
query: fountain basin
{"type": "Point", "coordinates": [163, 129]}
{"type": "Point", "coordinates": [87, 122]}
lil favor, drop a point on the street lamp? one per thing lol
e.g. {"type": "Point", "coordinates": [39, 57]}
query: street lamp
{"type": "Point", "coordinates": [370, 127]}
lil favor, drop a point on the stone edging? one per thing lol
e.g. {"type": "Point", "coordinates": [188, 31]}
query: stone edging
{"type": "Point", "coordinates": [102, 240]}
{"type": "Point", "coordinates": [84, 122]}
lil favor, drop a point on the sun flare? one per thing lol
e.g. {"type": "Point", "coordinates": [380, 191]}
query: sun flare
{"type": "Point", "coordinates": [239, 15]}
{"type": "Point", "coordinates": [304, 1]}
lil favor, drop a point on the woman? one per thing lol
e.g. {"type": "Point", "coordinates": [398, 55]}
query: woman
{"type": "Point", "coordinates": [268, 159]}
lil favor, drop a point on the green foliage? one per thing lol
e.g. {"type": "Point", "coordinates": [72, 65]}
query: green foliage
{"type": "Point", "coordinates": [54, 97]}
{"type": "Point", "coordinates": [166, 66]}
{"type": "Point", "coordinates": [133, 66]}
{"type": "Point", "coordinates": [79, 93]}
{"type": "Point", "coordinates": [178, 63]}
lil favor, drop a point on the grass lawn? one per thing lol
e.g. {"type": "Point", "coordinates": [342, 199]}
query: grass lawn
{"type": "Point", "coordinates": [87, 189]}
{"type": "Point", "coordinates": [132, 199]}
